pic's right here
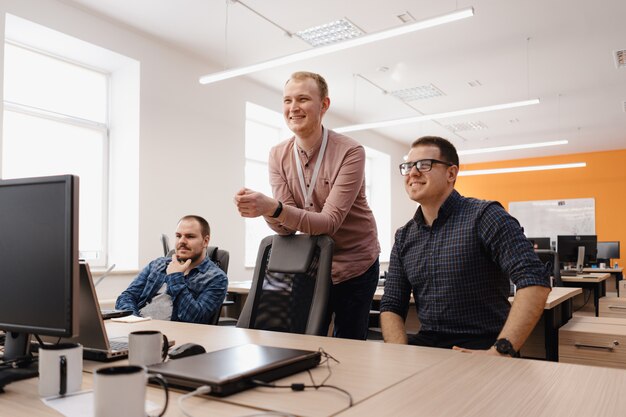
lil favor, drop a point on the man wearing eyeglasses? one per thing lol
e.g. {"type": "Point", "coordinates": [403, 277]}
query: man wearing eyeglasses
{"type": "Point", "coordinates": [457, 255]}
{"type": "Point", "coordinates": [318, 183]}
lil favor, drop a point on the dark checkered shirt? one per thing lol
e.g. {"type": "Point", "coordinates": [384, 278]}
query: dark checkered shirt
{"type": "Point", "coordinates": [459, 268]}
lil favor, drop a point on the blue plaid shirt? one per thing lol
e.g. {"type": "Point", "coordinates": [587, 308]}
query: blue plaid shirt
{"type": "Point", "coordinates": [195, 297]}
{"type": "Point", "coordinates": [459, 268]}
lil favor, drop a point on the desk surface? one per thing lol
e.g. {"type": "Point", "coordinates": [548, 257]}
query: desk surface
{"type": "Point", "coordinates": [556, 296]}
{"type": "Point", "coordinates": [607, 270]}
{"type": "Point", "coordinates": [384, 380]}
{"type": "Point", "coordinates": [587, 277]}
{"type": "Point", "coordinates": [481, 386]}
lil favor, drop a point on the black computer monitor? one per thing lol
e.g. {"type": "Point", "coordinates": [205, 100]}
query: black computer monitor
{"type": "Point", "coordinates": [567, 248]}
{"type": "Point", "coordinates": [608, 250]}
{"type": "Point", "coordinates": [540, 242]}
{"type": "Point", "coordinates": [39, 274]}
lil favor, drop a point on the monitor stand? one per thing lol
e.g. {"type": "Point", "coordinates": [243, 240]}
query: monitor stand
{"type": "Point", "coordinates": [20, 364]}
{"type": "Point", "coordinates": [581, 259]}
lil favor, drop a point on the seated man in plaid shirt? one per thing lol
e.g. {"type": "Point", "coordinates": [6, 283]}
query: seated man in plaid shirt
{"type": "Point", "coordinates": [186, 287]}
{"type": "Point", "coordinates": [458, 255]}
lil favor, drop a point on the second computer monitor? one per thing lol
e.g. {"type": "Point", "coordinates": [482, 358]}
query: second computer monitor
{"type": "Point", "coordinates": [608, 250]}
{"type": "Point", "coordinates": [567, 247]}
{"type": "Point", "coordinates": [540, 242]}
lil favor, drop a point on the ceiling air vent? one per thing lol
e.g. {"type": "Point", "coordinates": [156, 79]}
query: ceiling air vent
{"type": "Point", "coordinates": [620, 58]}
{"type": "Point", "coordinates": [465, 126]}
{"type": "Point", "coordinates": [417, 93]}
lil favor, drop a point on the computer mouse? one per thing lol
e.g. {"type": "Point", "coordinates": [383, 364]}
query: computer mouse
{"type": "Point", "coordinates": [186, 349]}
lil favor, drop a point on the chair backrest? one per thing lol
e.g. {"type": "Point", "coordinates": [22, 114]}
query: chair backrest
{"type": "Point", "coordinates": [291, 285]}
{"type": "Point", "coordinates": [550, 259]}
{"type": "Point", "coordinates": [220, 257]}
{"type": "Point", "coordinates": [165, 241]}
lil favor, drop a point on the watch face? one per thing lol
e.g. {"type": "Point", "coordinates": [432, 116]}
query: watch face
{"type": "Point", "coordinates": [504, 346]}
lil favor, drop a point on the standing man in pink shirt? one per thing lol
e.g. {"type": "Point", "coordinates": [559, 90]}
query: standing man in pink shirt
{"type": "Point", "coordinates": [318, 182]}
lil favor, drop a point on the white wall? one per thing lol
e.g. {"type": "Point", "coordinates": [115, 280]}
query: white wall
{"type": "Point", "coordinates": [191, 136]}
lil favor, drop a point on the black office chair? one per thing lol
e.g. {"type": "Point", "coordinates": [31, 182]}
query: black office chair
{"type": "Point", "coordinates": [550, 259]}
{"type": "Point", "coordinates": [165, 241]}
{"type": "Point", "coordinates": [291, 285]}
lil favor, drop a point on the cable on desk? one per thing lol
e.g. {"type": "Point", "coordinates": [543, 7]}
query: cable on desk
{"type": "Point", "coordinates": [302, 386]}
{"type": "Point", "coordinates": [204, 389]}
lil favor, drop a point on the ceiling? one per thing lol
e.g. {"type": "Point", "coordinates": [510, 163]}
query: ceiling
{"type": "Point", "coordinates": [560, 51]}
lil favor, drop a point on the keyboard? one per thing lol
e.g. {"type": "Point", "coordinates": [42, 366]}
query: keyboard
{"type": "Point", "coordinates": [118, 344]}
{"type": "Point", "coordinates": [569, 273]}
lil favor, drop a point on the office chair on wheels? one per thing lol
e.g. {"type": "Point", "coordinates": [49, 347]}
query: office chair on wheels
{"type": "Point", "coordinates": [291, 285]}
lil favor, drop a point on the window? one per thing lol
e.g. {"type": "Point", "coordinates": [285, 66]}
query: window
{"type": "Point", "coordinates": [71, 107]}
{"type": "Point", "coordinates": [266, 128]}
{"type": "Point", "coordinates": [55, 115]}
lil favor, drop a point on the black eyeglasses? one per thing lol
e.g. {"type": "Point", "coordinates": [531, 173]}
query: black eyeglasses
{"type": "Point", "coordinates": [423, 165]}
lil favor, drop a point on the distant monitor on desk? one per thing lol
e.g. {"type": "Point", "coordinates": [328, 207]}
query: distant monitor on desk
{"type": "Point", "coordinates": [540, 242]}
{"type": "Point", "coordinates": [579, 249]}
{"type": "Point", "coordinates": [39, 261]}
{"type": "Point", "coordinates": [608, 251]}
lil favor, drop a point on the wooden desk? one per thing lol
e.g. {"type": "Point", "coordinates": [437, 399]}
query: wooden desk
{"type": "Point", "coordinates": [365, 368]}
{"type": "Point", "coordinates": [384, 380]}
{"type": "Point", "coordinates": [596, 282]}
{"type": "Point", "coordinates": [618, 272]}
{"type": "Point", "coordinates": [484, 386]}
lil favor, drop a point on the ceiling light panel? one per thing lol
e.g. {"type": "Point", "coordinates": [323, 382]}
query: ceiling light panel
{"type": "Point", "coordinates": [417, 93]}
{"type": "Point", "coordinates": [466, 126]}
{"type": "Point", "coordinates": [329, 33]}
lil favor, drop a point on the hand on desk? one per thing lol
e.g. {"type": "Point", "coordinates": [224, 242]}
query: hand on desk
{"type": "Point", "coordinates": [490, 352]}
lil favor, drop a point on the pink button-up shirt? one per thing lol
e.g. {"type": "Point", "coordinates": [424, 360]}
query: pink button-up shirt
{"type": "Point", "coordinates": [339, 207]}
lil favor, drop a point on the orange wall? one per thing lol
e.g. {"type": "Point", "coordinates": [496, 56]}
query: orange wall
{"type": "Point", "coordinates": [604, 179]}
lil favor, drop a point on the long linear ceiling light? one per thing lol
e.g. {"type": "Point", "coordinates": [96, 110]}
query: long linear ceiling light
{"type": "Point", "coordinates": [512, 147]}
{"type": "Point", "coordinates": [417, 119]}
{"type": "Point", "coordinates": [521, 169]}
{"type": "Point", "coordinates": [328, 49]}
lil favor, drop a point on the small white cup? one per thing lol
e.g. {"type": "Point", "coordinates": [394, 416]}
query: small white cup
{"type": "Point", "coordinates": [602, 265]}
{"type": "Point", "coordinates": [121, 391]}
{"type": "Point", "coordinates": [60, 369]}
{"type": "Point", "coordinates": [147, 347]}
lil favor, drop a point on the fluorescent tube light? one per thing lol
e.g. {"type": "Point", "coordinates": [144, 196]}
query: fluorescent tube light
{"type": "Point", "coordinates": [328, 49]}
{"type": "Point", "coordinates": [512, 147]}
{"type": "Point", "coordinates": [417, 119]}
{"type": "Point", "coordinates": [520, 169]}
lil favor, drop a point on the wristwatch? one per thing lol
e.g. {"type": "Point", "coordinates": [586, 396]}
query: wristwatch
{"type": "Point", "coordinates": [504, 346]}
{"type": "Point", "coordinates": [279, 209]}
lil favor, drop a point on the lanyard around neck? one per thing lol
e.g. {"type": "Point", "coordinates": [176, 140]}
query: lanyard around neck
{"type": "Point", "coordinates": [308, 191]}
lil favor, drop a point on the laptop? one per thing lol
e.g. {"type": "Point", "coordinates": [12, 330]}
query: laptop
{"type": "Point", "coordinates": [234, 369]}
{"type": "Point", "coordinates": [92, 333]}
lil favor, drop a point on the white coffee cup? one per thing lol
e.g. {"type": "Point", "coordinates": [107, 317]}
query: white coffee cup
{"type": "Point", "coordinates": [147, 347]}
{"type": "Point", "coordinates": [121, 391]}
{"type": "Point", "coordinates": [60, 369]}
{"type": "Point", "coordinates": [602, 265]}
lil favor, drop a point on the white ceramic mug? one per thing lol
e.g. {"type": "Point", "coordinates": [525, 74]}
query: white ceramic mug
{"type": "Point", "coordinates": [60, 369]}
{"type": "Point", "coordinates": [147, 347]}
{"type": "Point", "coordinates": [121, 391]}
{"type": "Point", "coordinates": [602, 265]}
